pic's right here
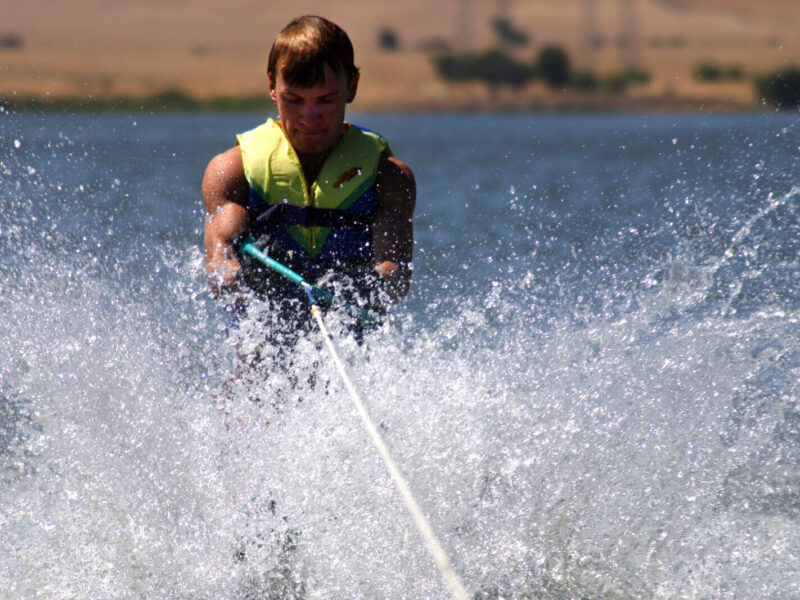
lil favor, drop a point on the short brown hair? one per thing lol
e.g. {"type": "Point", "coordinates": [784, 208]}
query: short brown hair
{"type": "Point", "coordinates": [305, 46]}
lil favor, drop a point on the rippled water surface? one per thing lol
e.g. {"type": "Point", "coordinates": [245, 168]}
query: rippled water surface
{"type": "Point", "coordinates": [593, 388]}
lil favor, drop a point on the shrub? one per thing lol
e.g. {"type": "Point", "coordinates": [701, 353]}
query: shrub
{"type": "Point", "coordinates": [618, 83]}
{"type": "Point", "coordinates": [584, 81]}
{"type": "Point", "coordinates": [710, 72]}
{"type": "Point", "coordinates": [10, 41]}
{"type": "Point", "coordinates": [388, 40]}
{"type": "Point", "coordinates": [734, 73]}
{"type": "Point", "coordinates": [493, 67]}
{"type": "Point", "coordinates": [552, 65]}
{"type": "Point", "coordinates": [706, 71]}
{"type": "Point", "coordinates": [781, 89]}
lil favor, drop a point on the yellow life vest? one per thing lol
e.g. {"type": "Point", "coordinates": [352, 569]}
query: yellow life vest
{"type": "Point", "coordinates": [345, 187]}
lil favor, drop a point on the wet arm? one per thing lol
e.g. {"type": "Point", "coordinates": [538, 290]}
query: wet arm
{"type": "Point", "coordinates": [225, 193]}
{"type": "Point", "coordinates": [393, 234]}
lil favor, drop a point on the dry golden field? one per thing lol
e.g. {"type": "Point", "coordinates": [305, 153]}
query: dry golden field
{"type": "Point", "coordinates": [109, 48]}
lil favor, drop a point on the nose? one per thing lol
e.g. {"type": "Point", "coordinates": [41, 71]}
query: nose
{"type": "Point", "coordinates": [311, 113]}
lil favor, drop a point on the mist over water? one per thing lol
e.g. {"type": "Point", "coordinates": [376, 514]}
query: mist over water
{"type": "Point", "coordinates": [593, 388]}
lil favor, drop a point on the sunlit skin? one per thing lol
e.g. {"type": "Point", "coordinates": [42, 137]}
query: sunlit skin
{"type": "Point", "coordinates": [312, 118]}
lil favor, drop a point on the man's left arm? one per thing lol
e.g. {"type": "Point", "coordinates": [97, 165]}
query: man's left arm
{"type": "Point", "coordinates": [392, 227]}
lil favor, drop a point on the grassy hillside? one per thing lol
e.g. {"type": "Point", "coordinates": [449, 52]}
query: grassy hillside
{"type": "Point", "coordinates": [99, 48]}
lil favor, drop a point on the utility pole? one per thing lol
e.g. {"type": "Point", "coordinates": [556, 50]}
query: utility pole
{"type": "Point", "coordinates": [628, 39]}
{"type": "Point", "coordinates": [590, 39]}
{"type": "Point", "coordinates": [464, 31]}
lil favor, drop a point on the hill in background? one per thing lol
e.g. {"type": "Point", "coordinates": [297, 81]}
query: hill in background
{"type": "Point", "coordinates": [204, 48]}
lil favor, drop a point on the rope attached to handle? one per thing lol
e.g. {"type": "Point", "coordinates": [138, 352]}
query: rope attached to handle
{"type": "Point", "coordinates": [315, 294]}
{"type": "Point", "coordinates": [440, 557]}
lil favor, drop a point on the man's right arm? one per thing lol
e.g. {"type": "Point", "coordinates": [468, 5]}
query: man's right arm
{"type": "Point", "coordinates": [225, 193]}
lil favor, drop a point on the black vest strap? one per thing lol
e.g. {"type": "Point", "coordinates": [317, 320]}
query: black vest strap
{"type": "Point", "coordinates": [286, 213]}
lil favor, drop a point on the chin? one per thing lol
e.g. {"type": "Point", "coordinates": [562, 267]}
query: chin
{"type": "Point", "coordinates": [312, 146]}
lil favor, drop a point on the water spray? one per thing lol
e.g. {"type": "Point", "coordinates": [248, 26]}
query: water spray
{"type": "Point", "coordinates": [315, 295]}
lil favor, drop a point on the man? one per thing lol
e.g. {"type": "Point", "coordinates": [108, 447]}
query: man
{"type": "Point", "coordinates": [322, 196]}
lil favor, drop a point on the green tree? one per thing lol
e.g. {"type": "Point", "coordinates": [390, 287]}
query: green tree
{"type": "Point", "coordinates": [494, 68]}
{"type": "Point", "coordinates": [552, 65]}
{"type": "Point", "coordinates": [707, 71]}
{"type": "Point", "coordinates": [781, 89]}
{"type": "Point", "coordinates": [618, 83]}
{"type": "Point", "coordinates": [710, 72]}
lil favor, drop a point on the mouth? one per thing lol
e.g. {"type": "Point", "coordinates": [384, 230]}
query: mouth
{"type": "Point", "coordinates": [311, 138]}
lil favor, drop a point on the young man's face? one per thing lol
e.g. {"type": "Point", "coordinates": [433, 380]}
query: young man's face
{"type": "Point", "coordinates": [312, 117]}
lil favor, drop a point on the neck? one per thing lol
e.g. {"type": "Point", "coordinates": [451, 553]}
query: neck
{"type": "Point", "coordinates": [312, 165]}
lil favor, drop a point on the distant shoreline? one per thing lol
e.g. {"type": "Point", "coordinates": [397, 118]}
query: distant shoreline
{"type": "Point", "coordinates": [170, 101]}
{"type": "Point", "coordinates": [199, 55]}
{"type": "Point", "coordinates": [178, 101]}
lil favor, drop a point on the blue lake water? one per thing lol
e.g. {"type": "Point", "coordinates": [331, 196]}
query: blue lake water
{"type": "Point", "coordinates": [593, 387]}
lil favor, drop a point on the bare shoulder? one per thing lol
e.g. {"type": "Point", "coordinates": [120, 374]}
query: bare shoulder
{"type": "Point", "coordinates": [224, 180]}
{"type": "Point", "coordinates": [394, 170]}
{"type": "Point", "coordinates": [395, 183]}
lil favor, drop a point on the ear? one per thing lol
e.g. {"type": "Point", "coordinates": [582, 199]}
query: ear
{"type": "Point", "coordinates": [353, 87]}
{"type": "Point", "coordinates": [272, 93]}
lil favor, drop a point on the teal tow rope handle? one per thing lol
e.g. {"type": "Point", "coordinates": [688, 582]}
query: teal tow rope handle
{"type": "Point", "coordinates": [315, 294]}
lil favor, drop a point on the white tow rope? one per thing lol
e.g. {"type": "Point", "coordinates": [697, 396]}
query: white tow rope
{"type": "Point", "coordinates": [449, 575]}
